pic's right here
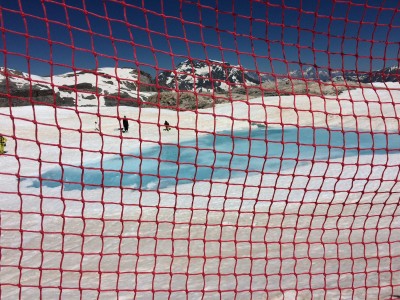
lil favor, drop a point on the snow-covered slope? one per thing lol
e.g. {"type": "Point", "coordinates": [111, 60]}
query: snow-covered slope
{"type": "Point", "coordinates": [205, 76]}
{"type": "Point", "coordinates": [62, 239]}
{"type": "Point", "coordinates": [104, 86]}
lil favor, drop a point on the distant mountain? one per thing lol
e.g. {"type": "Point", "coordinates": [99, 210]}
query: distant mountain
{"type": "Point", "coordinates": [126, 86]}
{"type": "Point", "coordinates": [383, 75]}
{"type": "Point", "coordinates": [104, 86]}
{"type": "Point", "coordinates": [387, 74]}
{"type": "Point", "coordinates": [205, 76]}
{"type": "Point", "coordinates": [312, 74]}
{"type": "Point", "coordinates": [260, 77]}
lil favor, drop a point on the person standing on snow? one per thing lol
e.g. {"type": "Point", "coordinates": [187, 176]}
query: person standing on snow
{"type": "Point", "coordinates": [125, 124]}
{"type": "Point", "coordinates": [167, 128]}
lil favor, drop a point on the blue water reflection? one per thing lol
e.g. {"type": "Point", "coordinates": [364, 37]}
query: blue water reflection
{"type": "Point", "coordinates": [220, 157]}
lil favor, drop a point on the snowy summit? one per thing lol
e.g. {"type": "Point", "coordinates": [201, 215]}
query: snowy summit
{"type": "Point", "coordinates": [205, 76]}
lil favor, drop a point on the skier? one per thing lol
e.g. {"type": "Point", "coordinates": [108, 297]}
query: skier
{"type": "Point", "coordinates": [96, 127]}
{"type": "Point", "coordinates": [125, 124]}
{"type": "Point", "coordinates": [167, 128]}
{"type": "Point", "coordinates": [3, 142]}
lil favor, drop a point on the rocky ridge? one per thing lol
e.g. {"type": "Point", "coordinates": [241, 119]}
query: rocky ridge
{"type": "Point", "coordinates": [210, 79]}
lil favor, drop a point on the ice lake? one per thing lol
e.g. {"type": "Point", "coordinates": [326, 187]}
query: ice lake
{"type": "Point", "coordinates": [221, 156]}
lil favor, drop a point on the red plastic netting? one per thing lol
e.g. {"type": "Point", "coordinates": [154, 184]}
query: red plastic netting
{"type": "Point", "coordinates": [199, 149]}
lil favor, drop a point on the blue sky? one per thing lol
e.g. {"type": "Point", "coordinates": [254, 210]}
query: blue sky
{"type": "Point", "coordinates": [154, 35]}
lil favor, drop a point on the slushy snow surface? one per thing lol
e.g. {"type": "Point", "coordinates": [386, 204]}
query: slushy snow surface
{"type": "Point", "coordinates": [324, 223]}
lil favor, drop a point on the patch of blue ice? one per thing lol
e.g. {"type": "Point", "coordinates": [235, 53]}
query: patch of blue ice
{"type": "Point", "coordinates": [220, 156]}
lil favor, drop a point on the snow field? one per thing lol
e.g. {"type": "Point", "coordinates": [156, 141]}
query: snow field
{"type": "Point", "coordinates": [323, 229]}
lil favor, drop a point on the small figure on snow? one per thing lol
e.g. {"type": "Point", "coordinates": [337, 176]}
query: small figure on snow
{"type": "Point", "coordinates": [125, 124]}
{"type": "Point", "coordinates": [167, 128]}
{"type": "Point", "coordinates": [3, 144]}
{"type": "Point", "coordinates": [96, 126]}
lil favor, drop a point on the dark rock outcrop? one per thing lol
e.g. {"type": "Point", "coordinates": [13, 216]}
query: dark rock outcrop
{"type": "Point", "coordinates": [11, 95]}
{"type": "Point", "coordinates": [183, 101]}
{"type": "Point", "coordinates": [121, 99]}
{"type": "Point", "coordinates": [81, 87]}
{"type": "Point", "coordinates": [204, 76]}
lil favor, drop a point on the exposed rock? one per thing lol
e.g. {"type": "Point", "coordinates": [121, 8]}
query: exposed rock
{"type": "Point", "coordinates": [145, 81]}
{"type": "Point", "coordinates": [391, 74]}
{"type": "Point", "coordinates": [81, 87]}
{"type": "Point", "coordinates": [321, 74]}
{"type": "Point", "coordinates": [129, 85]}
{"type": "Point", "coordinates": [14, 96]}
{"type": "Point", "coordinates": [183, 100]}
{"type": "Point", "coordinates": [121, 99]}
{"type": "Point", "coordinates": [89, 97]}
{"type": "Point", "coordinates": [205, 76]}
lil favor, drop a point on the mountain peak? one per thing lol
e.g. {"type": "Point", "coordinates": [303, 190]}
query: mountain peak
{"type": "Point", "coordinates": [205, 76]}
